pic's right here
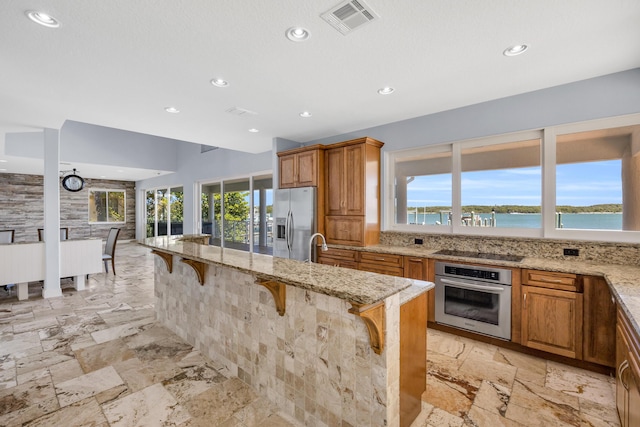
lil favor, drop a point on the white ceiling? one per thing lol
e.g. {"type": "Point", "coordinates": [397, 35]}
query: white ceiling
{"type": "Point", "coordinates": [119, 63]}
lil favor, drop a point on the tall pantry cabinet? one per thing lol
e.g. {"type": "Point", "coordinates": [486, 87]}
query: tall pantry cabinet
{"type": "Point", "coordinates": [352, 192]}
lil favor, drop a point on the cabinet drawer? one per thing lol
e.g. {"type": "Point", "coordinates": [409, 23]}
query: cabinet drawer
{"type": "Point", "coordinates": [381, 269]}
{"type": "Point", "coordinates": [552, 280]}
{"type": "Point", "coordinates": [337, 262]}
{"type": "Point", "coordinates": [384, 259]}
{"type": "Point", "coordinates": [342, 254]}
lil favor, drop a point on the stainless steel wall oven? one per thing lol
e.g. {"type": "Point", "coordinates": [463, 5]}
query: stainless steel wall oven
{"type": "Point", "coordinates": [474, 298]}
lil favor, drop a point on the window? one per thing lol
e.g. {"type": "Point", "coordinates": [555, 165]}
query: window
{"type": "Point", "coordinates": [423, 188]}
{"type": "Point", "coordinates": [575, 181]}
{"type": "Point", "coordinates": [238, 213]}
{"type": "Point", "coordinates": [501, 185]}
{"type": "Point", "coordinates": [597, 180]}
{"type": "Point", "coordinates": [164, 211]}
{"type": "Point", "coordinates": [107, 206]}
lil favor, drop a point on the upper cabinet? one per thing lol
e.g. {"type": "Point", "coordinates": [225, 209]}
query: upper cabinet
{"type": "Point", "coordinates": [301, 167]}
{"type": "Point", "coordinates": [352, 192]}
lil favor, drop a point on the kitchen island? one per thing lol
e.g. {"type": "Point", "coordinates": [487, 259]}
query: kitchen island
{"type": "Point", "coordinates": [325, 344]}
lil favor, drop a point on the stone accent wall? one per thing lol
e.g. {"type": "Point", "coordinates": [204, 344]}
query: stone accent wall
{"type": "Point", "coordinates": [601, 252]}
{"type": "Point", "coordinates": [22, 208]}
{"type": "Point", "coordinates": [315, 362]}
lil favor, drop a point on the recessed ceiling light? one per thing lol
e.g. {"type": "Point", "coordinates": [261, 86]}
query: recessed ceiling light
{"type": "Point", "coordinates": [3, 170]}
{"type": "Point", "coordinates": [3, 161]}
{"type": "Point", "coordinates": [305, 114]}
{"type": "Point", "coordinates": [43, 19]}
{"type": "Point", "coordinates": [385, 90]}
{"type": "Point", "coordinates": [254, 130]}
{"type": "Point", "coordinates": [172, 110]}
{"type": "Point", "coordinates": [219, 82]}
{"type": "Point", "coordinates": [515, 50]}
{"type": "Point", "coordinates": [120, 170]}
{"type": "Point", "coordinates": [298, 34]}
{"type": "Point", "coordinates": [102, 176]}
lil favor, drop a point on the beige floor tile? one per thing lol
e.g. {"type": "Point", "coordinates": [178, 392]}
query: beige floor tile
{"type": "Point", "coordinates": [440, 418]}
{"type": "Point", "coordinates": [482, 418]}
{"type": "Point", "coordinates": [452, 394]}
{"type": "Point", "coordinates": [65, 371]}
{"type": "Point", "coordinates": [87, 385]}
{"type": "Point", "coordinates": [493, 398]}
{"type": "Point", "coordinates": [480, 363]}
{"type": "Point", "coordinates": [580, 383]}
{"type": "Point", "coordinates": [222, 401]}
{"type": "Point", "coordinates": [533, 405]}
{"type": "Point", "coordinates": [151, 406]}
{"type": "Point", "coordinates": [530, 369]}
{"type": "Point", "coordinates": [28, 401]}
{"type": "Point", "coordinates": [105, 354]}
{"type": "Point", "coordinates": [84, 413]}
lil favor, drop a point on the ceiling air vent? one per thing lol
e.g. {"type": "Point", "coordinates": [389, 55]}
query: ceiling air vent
{"type": "Point", "coordinates": [237, 111]}
{"type": "Point", "coordinates": [349, 15]}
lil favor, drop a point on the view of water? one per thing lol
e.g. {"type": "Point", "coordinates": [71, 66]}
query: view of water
{"type": "Point", "coordinates": [590, 221]}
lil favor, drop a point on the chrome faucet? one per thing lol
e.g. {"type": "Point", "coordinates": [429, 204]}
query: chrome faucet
{"type": "Point", "coordinates": [324, 244]}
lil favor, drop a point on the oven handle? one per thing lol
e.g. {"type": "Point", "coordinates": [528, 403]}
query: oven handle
{"type": "Point", "coordinates": [473, 287]}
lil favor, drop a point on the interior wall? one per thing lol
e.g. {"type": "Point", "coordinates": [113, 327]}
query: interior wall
{"type": "Point", "coordinates": [22, 201]}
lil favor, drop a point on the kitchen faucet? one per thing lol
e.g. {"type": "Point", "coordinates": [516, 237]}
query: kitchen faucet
{"type": "Point", "coordinates": [324, 243]}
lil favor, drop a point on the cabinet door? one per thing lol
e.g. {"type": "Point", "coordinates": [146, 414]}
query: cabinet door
{"type": "Point", "coordinates": [354, 164]}
{"type": "Point", "coordinates": [415, 268]}
{"type": "Point", "coordinates": [622, 375]}
{"type": "Point", "coordinates": [345, 230]}
{"type": "Point", "coordinates": [552, 321]}
{"type": "Point", "coordinates": [307, 169]}
{"type": "Point", "coordinates": [599, 322]}
{"type": "Point", "coordinates": [288, 171]}
{"type": "Point", "coordinates": [634, 399]}
{"type": "Point", "coordinates": [334, 164]}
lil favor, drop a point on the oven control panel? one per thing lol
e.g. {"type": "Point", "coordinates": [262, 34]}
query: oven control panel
{"type": "Point", "coordinates": [487, 274]}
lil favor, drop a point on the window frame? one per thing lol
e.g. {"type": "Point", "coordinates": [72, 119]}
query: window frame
{"type": "Point", "coordinates": [547, 136]}
{"type": "Point", "coordinates": [107, 191]}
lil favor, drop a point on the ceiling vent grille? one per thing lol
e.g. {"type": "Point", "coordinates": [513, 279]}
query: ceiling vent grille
{"type": "Point", "coordinates": [349, 15]}
{"type": "Point", "coordinates": [237, 111]}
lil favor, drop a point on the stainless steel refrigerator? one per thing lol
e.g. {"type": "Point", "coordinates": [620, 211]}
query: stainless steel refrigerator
{"type": "Point", "coordinates": [294, 210]}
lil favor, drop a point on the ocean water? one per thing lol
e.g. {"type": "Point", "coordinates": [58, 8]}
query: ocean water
{"type": "Point", "coordinates": [584, 221]}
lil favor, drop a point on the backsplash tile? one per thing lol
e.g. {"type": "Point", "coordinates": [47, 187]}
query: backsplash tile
{"type": "Point", "coordinates": [600, 252]}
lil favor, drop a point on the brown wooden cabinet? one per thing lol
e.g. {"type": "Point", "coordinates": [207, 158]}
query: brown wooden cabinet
{"type": "Point", "coordinates": [339, 258]}
{"type": "Point", "coordinates": [552, 321]}
{"type": "Point", "coordinates": [381, 263]}
{"type": "Point", "coordinates": [599, 322]}
{"type": "Point", "coordinates": [352, 192]}
{"type": "Point", "coordinates": [628, 373]}
{"type": "Point", "coordinates": [413, 357]}
{"type": "Point", "coordinates": [301, 167]}
{"type": "Point", "coordinates": [421, 269]}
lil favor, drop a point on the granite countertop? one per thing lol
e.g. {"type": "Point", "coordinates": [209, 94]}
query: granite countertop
{"type": "Point", "coordinates": [350, 285]}
{"type": "Point", "coordinates": [624, 280]}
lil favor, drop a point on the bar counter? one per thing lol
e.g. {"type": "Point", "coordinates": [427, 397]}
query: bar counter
{"type": "Point", "coordinates": [327, 345]}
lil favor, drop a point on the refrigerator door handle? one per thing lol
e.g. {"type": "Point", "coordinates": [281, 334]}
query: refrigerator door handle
{"type": "Point", "coordinates": [290, 232]}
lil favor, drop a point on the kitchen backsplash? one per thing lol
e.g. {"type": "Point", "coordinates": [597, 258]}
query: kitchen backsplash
{"type": "Point", "coordinates": [601, 252]}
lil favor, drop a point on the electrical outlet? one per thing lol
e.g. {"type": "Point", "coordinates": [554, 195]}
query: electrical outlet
{"type": "Point", "coordinates": [571, 252]}
{"type": "Point", "coordinates": [417, 241]}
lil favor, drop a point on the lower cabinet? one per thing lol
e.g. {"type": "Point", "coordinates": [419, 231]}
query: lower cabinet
{"type": "Point", "coordinates": [381, 263]}
{"type": "Point", "coordinates": [419, 269]}
{"type": "Point", "coordinates": [552, 321]}
{"type": "Point", "coordinates": [413, 356]}
{"type": "Point", "coordinates": [628, 373]}
{"type": "Point", "coordinates": [599, 322]}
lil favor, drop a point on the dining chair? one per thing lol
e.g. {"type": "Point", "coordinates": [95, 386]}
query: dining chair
{"type": "Point", "coordinates": [7, 236]}
{"type": "Point", "coordinates": [110, 250]}
{"type": "Point", "coordinates": [64, 233]}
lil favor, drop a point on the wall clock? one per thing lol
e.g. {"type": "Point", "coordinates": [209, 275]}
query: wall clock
{"type": "Point", "coordinates": [73, 182]}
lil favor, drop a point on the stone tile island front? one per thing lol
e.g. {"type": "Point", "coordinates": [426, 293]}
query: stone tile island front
{"type": "Point", "coordinates": [327, 345]}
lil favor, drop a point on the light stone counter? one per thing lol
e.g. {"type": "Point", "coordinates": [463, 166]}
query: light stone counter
{"type": "Point", "coordinates": [350, 285]}
{"type": "Point", "coordinates": [623, 280]}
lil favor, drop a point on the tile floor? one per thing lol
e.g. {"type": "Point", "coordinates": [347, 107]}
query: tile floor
{"type": "Point", "coordinates": [98, 358]}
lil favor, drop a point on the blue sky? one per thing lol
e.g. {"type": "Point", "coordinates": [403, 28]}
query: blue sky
{"type": "Point", "coordinates": [578, 184]}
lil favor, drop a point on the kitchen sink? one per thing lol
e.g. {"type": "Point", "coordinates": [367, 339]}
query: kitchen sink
{"type": "Point", "coordinates": [479, 255]}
